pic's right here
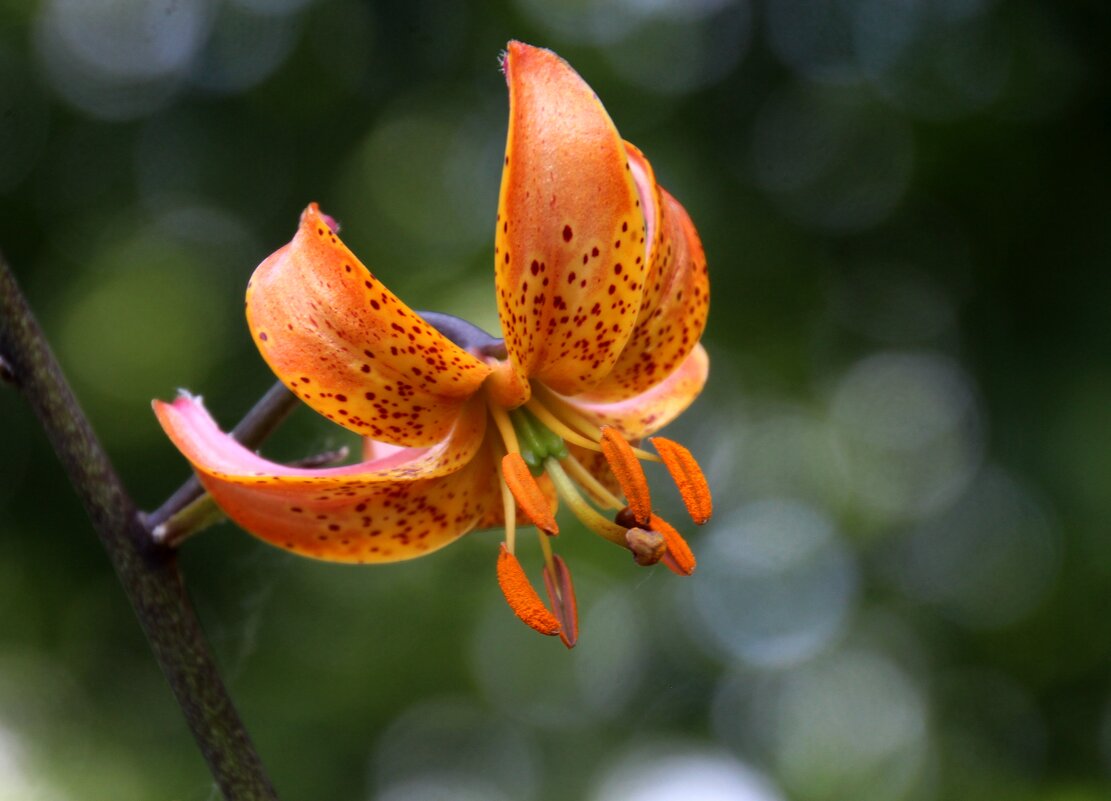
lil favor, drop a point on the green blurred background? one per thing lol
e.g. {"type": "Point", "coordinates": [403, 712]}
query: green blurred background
{"type": "Point", "coordinates": [904, 593]}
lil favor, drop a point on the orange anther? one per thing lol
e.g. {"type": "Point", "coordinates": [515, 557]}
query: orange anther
{"type": "Point", "coordinates": [678, 558]}
{"type": "Point", "coordinates": [522, 598]}
{"type": "Point", "coordinates": [527, 492]}
{"type": "Point", "coordinates": [561, 594]}
{"type": "Point", "coordinates": [628, 472]}
{"type": "Point", "coordinates": [688, 477]}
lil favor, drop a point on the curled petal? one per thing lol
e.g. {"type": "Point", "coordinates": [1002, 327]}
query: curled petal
{"type": "Point", "coordinates": [570, 244]}
{"type": "Point", "coordinates": [644, 414]}
{"type": "Point", "coordinates": [350, 348]}
{"type": "Point", "coordinates": [676, 298]}
{"type": "Point", "coordinates": [410, 502]}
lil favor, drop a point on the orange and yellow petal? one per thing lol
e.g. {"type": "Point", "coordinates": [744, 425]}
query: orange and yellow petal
{"type": "Point", "coordinates": [350, 348]}
{"type": "Point", "coordinates": [570, 244]}
{"type": "Point", "coordinates": [676, 298]}
{"type": "Point", "coordinates": [645, 414]}
{"type": "Point", "coordinates": [406, 504]}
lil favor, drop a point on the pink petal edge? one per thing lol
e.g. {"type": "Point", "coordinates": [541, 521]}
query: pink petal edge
{"type": "Point", "coordinates": [188, 420]}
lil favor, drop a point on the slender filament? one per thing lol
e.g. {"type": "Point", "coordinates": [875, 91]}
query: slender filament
{"type": "Point", "coordinates": [583, 510]}
{"type": "Point", "coordinates": [597, 491]}
{"type": "Point", "coordinates": [505, 427]}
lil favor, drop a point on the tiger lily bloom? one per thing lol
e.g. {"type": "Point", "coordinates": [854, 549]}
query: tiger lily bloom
{"type": "Point", "coordinates": [602, 296]}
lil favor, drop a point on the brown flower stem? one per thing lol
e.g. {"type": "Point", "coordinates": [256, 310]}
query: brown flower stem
{"type": "Point", "coordinates": [147, 571]}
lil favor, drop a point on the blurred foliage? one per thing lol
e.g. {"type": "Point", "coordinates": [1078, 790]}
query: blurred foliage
{"type": "Point", "coordinates": [908, 423]}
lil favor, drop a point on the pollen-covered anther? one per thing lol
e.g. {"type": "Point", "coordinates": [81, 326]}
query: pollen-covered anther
{"type": "Point", "coordinates": [527, 493]}
{"type": "Point", "coordinates": [561, 595]}
{"type": "Point", "coordinates": [648, 546]}
{"type": "Point", "coordinates": [629, 474]}
{"type": "Point", "coordinates": [678, 556]}
{"type": "Point", "coordinates": [688, 477]}
{"type": "Point", "coordinates": [522, 598]}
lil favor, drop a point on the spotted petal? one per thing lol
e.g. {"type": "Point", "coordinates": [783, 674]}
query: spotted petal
{"type": "Point", "coordinates": [676, 295]}
{"type": "Point", "coordinates": [350, 348]}
{"type": "Point", "coordinates": [408, 503]}
{"type": "Point", "coordinates": [569, 251]}
{"type": "Point", "coordinates": [645, 414]}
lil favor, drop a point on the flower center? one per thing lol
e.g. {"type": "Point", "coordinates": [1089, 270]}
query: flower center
{"type": "Point", "coordinates": [601, 480]}
{"type": "Point", "coordinates": [592, 468]}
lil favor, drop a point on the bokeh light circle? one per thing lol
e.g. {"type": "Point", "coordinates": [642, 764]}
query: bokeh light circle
{"type": "Point", "coordinates": [831, 159]}
{"type": "Point", "coordinates": [449, 737]}
{"type": "Point", "coordinates": [682, 772]}
{"type": "Point", "coordinates": [987, 560]}
{"type": "Point", "coordinates": [775, 582]}
{"type": "Point", "coordinates": [909, 425]}
{"type": "Point", "coordinates": [850, 725]}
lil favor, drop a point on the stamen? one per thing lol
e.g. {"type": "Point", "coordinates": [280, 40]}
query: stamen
{"type": "Point", "coordinates": [509, 508]}
{"type": "Point", "coordinates": [688, 477]}
{"type": "Point", "coordinates": [505, 427]}
{"type": "Point", "coordinates": [582, 510]}
{"type": "Point", "coordinates": [545, 416]}
{"type": "Point", "coordinates": [520, 595]}
{"type": "Point", "coordinates": [545, 548]}
{"type": "Point", "coordinates": [567, 413]}
{"type": "Point", "coordinates": [527, 492]}
{"type": "Point", "coordinates": [679, 558]}
{"type": "Point", "coordinates": [629, 474]}
{"type": "Point", "coordinates": [561, 594]}
{"type": "Point", "coordinates": [557, 426]}
{"type": "Point", "coordinates": [597, 491]}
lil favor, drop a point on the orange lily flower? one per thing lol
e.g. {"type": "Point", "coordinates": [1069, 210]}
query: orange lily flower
{"type": "Point", "coordinates": [602, 294]}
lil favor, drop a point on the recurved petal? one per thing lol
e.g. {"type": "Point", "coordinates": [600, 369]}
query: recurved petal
{"type": "Point", "coordinates": [350, 348]}
{"type": "Point", "coordinates": [648, 412]}
{"type": "Point", "coordinates": [406, 504]}
{"type": "Point", "coordinates": [570, 244]}
{"type": "Point", "coordinates": [676, 295]}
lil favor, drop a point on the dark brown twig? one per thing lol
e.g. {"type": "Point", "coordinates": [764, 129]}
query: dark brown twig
{"type": "Point", "coordinates": [148, 572]}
